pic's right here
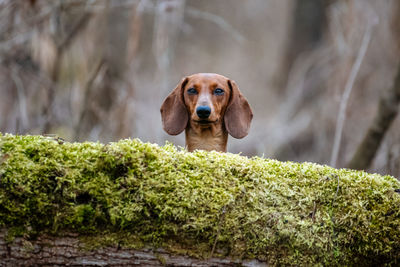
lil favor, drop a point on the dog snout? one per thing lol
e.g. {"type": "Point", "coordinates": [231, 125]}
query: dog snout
{"type": "Point", "coordinates": [203, 112]}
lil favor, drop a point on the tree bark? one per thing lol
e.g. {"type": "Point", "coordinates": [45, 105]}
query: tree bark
{"type": "Point", "coordinates": [68, 250]}
{"type": "Point", "coordinates": [387, 112]}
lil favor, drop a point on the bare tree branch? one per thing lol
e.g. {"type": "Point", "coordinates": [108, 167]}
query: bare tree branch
{"type": "Point", "coordinates": [387, 112]}
{"type": "Point", "coordinates": [223, 24]}
{"type": "Point", "coordinates": [86, 104]}
{"type": "Point", "coordinates": [61, 47]}
{"type": "Point", "coordinates": [346, 94]}
{"type": "Point", "coordinates": [21, 99]}
{"type": "Point", "coordinates": [80, 25]}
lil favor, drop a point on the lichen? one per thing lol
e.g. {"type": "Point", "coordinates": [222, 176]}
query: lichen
{"type": "Point", "coordinates": [133, 194]}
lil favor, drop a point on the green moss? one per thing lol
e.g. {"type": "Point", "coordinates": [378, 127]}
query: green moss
{"type": "Point", "coordinates": [131, 194]}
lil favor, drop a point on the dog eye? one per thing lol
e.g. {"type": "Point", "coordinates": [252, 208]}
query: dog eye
{"type": "Point", "coordinates": [192, 91]}
{"type": "Point", "coordinates": [218, 91]}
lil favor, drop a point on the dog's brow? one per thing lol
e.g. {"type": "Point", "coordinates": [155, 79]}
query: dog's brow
{"type": "Point", "coordinates": [213, 85]}
{"type": "Point", "coordinates": [195, 85]}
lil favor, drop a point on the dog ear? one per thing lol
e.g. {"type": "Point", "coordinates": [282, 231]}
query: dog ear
{"type": "Point", "coordinates": [173, 110]}
{"type": "Point", "coordinates": [238, 114]}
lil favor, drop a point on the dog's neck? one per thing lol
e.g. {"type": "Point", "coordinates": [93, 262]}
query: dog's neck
{"type": "Point", "coordinates": [214, 137]}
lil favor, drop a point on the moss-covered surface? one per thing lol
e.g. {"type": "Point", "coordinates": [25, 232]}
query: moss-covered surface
{"type": "Point", "coordinates": [135, 194]}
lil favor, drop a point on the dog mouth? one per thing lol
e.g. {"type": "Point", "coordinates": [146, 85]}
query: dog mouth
{"type": "Point", "coordinates": [205, 122]}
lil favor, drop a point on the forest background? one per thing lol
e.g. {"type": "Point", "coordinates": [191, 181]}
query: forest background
{"type": "Point", "coordinates": [321, 75]}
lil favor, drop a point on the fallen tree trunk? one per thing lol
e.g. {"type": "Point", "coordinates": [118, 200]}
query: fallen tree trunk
{"type": "Point", "coordinates": [130, 203]}
{"type": "Point", "coordinates": [69, 250]}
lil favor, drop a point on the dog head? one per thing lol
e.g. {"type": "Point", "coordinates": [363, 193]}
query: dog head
{"type": "Point", "coordinates": [206, 100]}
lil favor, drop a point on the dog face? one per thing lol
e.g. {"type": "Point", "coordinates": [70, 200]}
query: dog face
{"type": "Point", "coordinates": [206, 97]}
{"type": "Point", "coordinates": [206, 101]}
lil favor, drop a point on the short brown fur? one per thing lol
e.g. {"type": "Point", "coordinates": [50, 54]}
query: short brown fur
{"type": "Point", "coordinates": [230, 112]}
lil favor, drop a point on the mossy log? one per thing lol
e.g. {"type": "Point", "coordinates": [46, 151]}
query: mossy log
{"type": "Point", "coordinates": [95, 204]}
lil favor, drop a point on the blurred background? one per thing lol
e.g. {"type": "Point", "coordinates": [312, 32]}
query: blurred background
{"type": "Point", "coordinates": [320, 75]}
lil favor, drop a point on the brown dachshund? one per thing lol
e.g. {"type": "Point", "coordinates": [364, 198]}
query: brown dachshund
{"type": "Point", "coordinates": [207, 106]}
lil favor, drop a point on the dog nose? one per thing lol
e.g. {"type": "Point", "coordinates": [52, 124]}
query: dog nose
{"type": "Point", "coordinates": [203, 112]}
